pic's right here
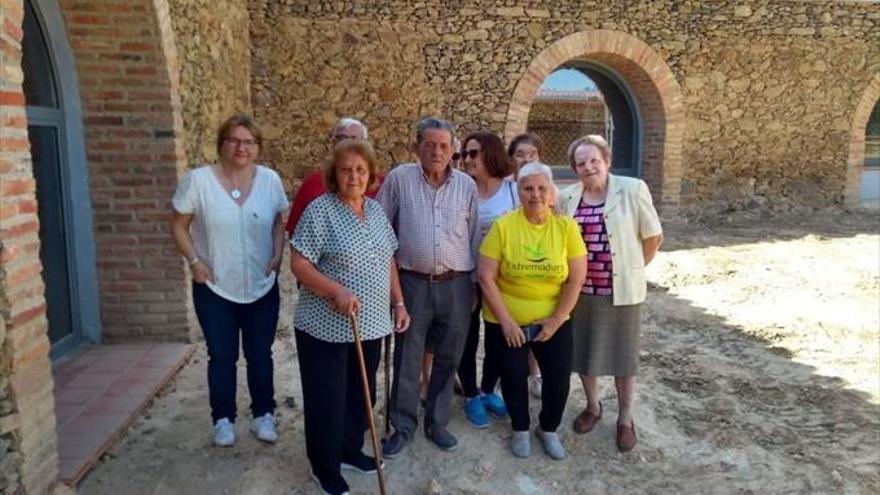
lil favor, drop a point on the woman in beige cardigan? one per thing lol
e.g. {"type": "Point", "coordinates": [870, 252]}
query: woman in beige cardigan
{"type": "Point", "coordinates": [622, 233]}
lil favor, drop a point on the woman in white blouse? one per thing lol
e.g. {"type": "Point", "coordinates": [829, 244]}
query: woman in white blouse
{"type": "Point", "coordinates": [227, 224]}
{"type": "Point", "coordinates": [486, 161]}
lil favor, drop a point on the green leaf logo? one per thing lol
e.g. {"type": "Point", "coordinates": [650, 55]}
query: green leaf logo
{"type": "Point", "coordinates": [535, 253]}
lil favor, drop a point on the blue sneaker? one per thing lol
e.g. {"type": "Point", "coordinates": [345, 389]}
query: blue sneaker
{"type": "Point", "coordinates": [475, 412]}
{"type": "Point", "coordinates": [494, 404]}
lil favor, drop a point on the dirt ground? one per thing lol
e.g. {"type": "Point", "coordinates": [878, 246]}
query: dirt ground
{"type": "Point", "coordinates": [760, 374]}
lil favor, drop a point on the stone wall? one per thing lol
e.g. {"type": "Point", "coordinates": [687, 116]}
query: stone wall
{"type": "Point", "coordinates": [307, 72]}
{"type": "Point", "coordinates": [10, 456]}
{"type": "Point", "coordinates": [213, 49]}
{"type": "Point", "coordinates": [768, 87]}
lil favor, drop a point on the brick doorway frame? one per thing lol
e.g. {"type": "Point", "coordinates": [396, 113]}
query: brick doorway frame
{"type": "Point", "coordinates": [855, 163]}
{"type": "Point", "coordinates": [654, 88]}
{"type": "Point", "coordinates": [125, 58]}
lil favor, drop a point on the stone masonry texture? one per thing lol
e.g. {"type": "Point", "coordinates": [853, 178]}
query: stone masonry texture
{"type": "Point", "coordinates": [769, 88]}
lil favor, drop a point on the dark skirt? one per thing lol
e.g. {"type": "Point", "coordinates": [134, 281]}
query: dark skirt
{"type": "Point", "coordinates": [606, 337]}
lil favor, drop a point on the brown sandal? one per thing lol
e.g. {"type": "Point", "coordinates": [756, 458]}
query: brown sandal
{"type": "Point", "coordinates": [626, 437]}
{"type": "Point", "coordinates": [586, 421]}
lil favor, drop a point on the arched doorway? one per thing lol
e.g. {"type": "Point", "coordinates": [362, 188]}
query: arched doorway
{"type": "Point", "coordinates": [67, 249]}
{"type": "Point", "coordinates": [863, 164]}
{"type": "Point", "coordinates": [645, 89]}
{"type": "Point", "coordinates": [587, 98]}
{"type": "Point", "coordinates": [870, 190]}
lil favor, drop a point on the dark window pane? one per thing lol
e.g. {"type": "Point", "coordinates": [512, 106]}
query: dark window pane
{"type": "Point", "coordinates": [39, 82]}
{"type": "Point", "coordinates": [53, 235]}
{"type": "Point", "coordinates": [624, 137]}
{"type": "Point", "coordinates": [872, 138]}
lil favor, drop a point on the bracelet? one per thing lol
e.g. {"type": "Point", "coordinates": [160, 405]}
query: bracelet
{"type": "Point", "coordinates": [399, 304]}
{"type": "Point", "coordinates": [192, 262]}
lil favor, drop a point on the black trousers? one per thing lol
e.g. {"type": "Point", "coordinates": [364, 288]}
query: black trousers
{"type": "Point", "coordinates": [554, 358]}
{"type": "Point", "coordinates": [333, 399]}
{"type": "Point", "coordinates": [467, 368]}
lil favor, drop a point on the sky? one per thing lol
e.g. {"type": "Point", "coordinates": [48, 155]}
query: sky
{"type": "Point", "coordinates": [567, 80]}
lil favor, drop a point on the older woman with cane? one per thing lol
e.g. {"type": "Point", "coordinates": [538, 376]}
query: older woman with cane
{"type": "Point", "coordinates": [532, 265]}
{"type": "Point", "coordinates": [622, 232]}
{"type": "Point", "coordinates": [343, 254]}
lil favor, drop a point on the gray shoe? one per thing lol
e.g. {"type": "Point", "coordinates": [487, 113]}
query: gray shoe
{"type": "Point", "coordinates": [441, 437]}
{"type": "Point", "coordinates": [552, 446]}
{"type": "Point", "coordinates": [521, 444]}
{"type": "Point", "coordinates": [394, 445]}
{"type": "Point", "coordinates": [224, 433]}
{"type": "Point", "coordinates": [264, 428]}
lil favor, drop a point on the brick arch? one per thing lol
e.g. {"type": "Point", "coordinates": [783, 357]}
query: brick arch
{"type": "Point", "coordinates": [653, 87]}
{"type": "Point", "coordinates": [855, 163]}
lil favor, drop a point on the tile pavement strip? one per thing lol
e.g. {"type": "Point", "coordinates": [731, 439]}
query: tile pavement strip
{"type": "Point", "coordinates": [99, 393]}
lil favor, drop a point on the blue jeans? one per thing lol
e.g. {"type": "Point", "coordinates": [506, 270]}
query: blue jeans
{"type": "Point", "coordinates": [222, 321]}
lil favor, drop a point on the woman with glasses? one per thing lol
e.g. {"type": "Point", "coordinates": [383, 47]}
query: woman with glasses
{"type": "Point", "coordinates": [486, 162]}
{"type": "Point", "coordinates": [525, 148]}
{"type": "Point", "coordinates": [343, 253]}
{"type": "Point", "coordinates": [227, 224]}
{"type": "Point", "coordinates": [622, 232]}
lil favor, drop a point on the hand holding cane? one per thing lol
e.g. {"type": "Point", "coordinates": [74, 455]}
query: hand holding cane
{"type": "Point", "coordinates": [368, 404]}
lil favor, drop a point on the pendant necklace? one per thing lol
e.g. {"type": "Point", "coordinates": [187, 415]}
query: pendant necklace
{"type": "Point", "coordinates": [235, 192]}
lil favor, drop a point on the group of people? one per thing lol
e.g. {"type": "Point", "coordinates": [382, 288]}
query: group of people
{"type": "Point", "coordinates": [473, 235]}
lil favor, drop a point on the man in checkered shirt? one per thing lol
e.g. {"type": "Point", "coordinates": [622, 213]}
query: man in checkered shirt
{"type": "Point", "coordinates": [433, 208]}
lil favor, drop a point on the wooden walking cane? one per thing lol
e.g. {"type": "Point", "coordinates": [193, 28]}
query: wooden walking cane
{"type": "Point", "coordinates": [368, 404]}
{"type": "Point", "coordinates": [387, 386]}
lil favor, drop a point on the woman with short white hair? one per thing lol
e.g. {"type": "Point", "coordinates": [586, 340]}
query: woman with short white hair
{"type": "Point", "coordinates": [532, 265]}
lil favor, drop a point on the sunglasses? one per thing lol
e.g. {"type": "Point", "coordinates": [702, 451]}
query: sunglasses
{"type": "Point", "coordinates": [466, 154]}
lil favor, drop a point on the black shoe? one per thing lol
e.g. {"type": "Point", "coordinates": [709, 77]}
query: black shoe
{"type": "Point", "coordinates": [361, 463]}
{"type": "Point", "coordinates": [331, 486]}
{"type": "Point", "coordinates": [394, 445]}
{"type": "Point", "coordinates": [441, 437]}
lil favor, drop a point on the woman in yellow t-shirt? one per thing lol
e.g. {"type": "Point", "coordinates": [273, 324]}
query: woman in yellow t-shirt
{"type": "Point", "coordinates": [532, 265]}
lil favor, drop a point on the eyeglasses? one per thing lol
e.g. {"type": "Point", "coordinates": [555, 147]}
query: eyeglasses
{"type": "Point", "coordinates": [469, 154]}
{"type": "Point", "coordinates": [338, 138]}
{"type": "Point", "coordinates": [235, 142]}
{"type": "Point", "coordinates": [531, 155]}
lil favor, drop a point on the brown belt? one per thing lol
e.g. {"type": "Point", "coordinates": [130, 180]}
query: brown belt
{"type": "Point", "coordinates": [434, 277]}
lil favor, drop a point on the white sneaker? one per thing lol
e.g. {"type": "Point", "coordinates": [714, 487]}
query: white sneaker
{"type": "Point", "coordinates": [535, 386]}
{"type": "Point", "coordinates": [224, 433]}
{"type": "Point", "coordinates": [264, 428]}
